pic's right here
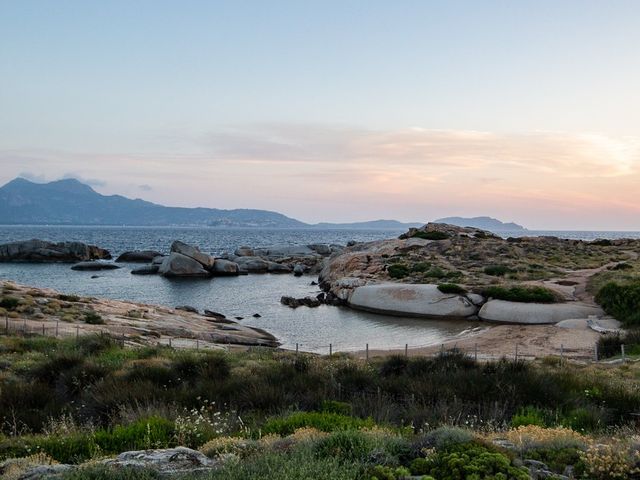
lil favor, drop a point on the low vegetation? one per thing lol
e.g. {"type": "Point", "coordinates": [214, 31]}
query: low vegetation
{"type": "Point", "coordinates": [520, 293]}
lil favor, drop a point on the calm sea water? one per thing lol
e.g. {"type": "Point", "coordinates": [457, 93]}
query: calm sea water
{"type": "Point", "coordinates": [314, 329]}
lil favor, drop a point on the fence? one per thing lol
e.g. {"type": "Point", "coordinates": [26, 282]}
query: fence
{"type": "Point", "coordinates": [613, 350]}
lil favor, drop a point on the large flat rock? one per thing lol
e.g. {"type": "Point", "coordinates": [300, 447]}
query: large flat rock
{"type": "Point", "coordinates": [535, 313]}
{"type": "Point", "coordinates": [45, 252]}
{"type": "Point", "coordinates": [178, 265]}
{"type": "Point", "coordinates": [411, 300]}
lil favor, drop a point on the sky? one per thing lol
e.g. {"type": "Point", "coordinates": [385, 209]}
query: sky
{"type": "Point", "coordinates": [527, 111]}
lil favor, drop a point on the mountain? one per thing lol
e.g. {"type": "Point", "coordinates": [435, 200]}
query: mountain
{"type": "Point", "coordinates": [372, 225]}
{"type": "Point", "coordinates": [485, 223]}
{"type": "Point", "coordinates": [70, 202]}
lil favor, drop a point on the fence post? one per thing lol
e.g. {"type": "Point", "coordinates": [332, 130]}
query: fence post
{"type": "Point", "coordinates": [6, 323]}
{"type": "Point", "coordinates": [330, 349]}
{"type": "Point", "coordinates": [366, 349]}
{"type": "Point", "coordinates": [197, 344]}
{"type": "Point", "coordinates": [77, 332]}
{"type": "Point", "coordinates": [406, 349]}
{"type": "Point", "coordinates": [170, 342]}
{"type": "Point", "coordinates": [442, 349]}
{"type": "Point", "coordinates": [622, 349]}
{"type": "Point", "coordinates": [43, 329]}
{"type": "Point", "coordinates": [297, 349]}
{"type": "Point", "coordinates": [561, 354]}
{"type": "Point", "coordinates": [475, 352]}
{"type": "Point", "coordinates": [57, 321]}
{"type": "Point", "coordinates": [24, 327]}
{"type": "Point", "coordinates": [516, 352]}
{"type": "Point", "coordinates": [595, 357]}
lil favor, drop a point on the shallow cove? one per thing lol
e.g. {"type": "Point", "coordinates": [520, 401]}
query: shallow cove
{"type": "Point", "coordinates": [312, 328]}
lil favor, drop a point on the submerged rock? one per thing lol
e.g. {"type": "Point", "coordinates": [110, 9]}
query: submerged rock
{"type": "Point", "coordinates": [94, 266]}
{"type": "Point", "coordinates": [138, 256]}
{"type": "Point", "coordinates": [39, 251]}
{"type": "Point", "coordinates": [298, 270]}
{"type": "Point", "coordinates": [298, 302]}
{"type": "Point", "coordinates": [150, 269]}
{"type": "Point", "coordinates": [187, 308]}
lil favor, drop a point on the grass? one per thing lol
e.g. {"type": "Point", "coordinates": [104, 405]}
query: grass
{"type": "Point", "coordinates": [430, 235]}
{"type": "Point", "coordinates": [497, 270]}
{"type": "Point", "coordinates": [622, 301]}
{"type": "Point", "coordinates": [452, 288]}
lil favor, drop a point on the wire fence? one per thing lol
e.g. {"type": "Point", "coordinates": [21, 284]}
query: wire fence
{"type": "Point", "coordinates": [607, 351]}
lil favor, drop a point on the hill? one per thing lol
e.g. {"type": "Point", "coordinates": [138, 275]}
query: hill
{"type": "Point", "coordinates": [70, 202]}
{"type": "Point", "coordinates": [485, 223]}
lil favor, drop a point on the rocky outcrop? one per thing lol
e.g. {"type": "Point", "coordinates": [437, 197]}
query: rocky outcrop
{"type": "Point", "coordinates": [169, 461]}
{"type": "Point", "coordinates": [535, 313]}
{"type": "Point", "coordinates": [190, 251]}
{"type": "Point", "coordinates": [40, 251]}
{"type": "Point", "coordinates": [138, 256]}
{"type": "Point", "coordinates": [179, 265]}
{"type": "Point", "coordinates": [94, 266]}
{"type": "Point", "coordinates": [251, 264]}
{"type": "Point", "coordinates": [411, 300]}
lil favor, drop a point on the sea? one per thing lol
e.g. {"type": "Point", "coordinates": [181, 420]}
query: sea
{"type": "Point", "coordinates": [310, 329]}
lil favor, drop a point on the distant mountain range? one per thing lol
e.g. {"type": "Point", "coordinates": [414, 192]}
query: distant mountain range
{"type": "Point", "coordinates": [485, 223]}
{"type": "Point", "coordinates": [70, 202]}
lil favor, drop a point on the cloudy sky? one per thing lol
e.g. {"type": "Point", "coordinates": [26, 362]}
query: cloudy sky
{"type": "Point", "coordinates": [333, 110]}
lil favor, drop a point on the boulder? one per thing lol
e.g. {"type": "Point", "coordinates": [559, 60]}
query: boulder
{"type": "Point", "coordinates": [150, 269]}
{"type": "Point", "coordinates": [298, 302]}
{"type": "Point", "coordinates": [535, 313]}
{"type": "Point", "coordinates": [252, 264]}
{"type": "Point", "coordinates": [411, 300]}
{"type": "Point", "coordinates": [320, 248]}
{"type": "Point", "coordinates": [138, 256]}
{"type": "Point", "coordinates": [170, 461]}
{"type": "Point", "coordinates": [46, 472]}
{"type": "Point", "coordinates": [212, 314]}
{"type": "Point", "coordinates": [273, 267]}
{"type": "Point", "coordinates": [298, 270]}
{"type": "Point", "coordinates": [40, 251]}
{"type": "Point", "coordinates": [244, 251]}
{"type": "Point", "coordinates": [190, 251]}
{"type": "Point", "coordinates": [223, 267]}
{"type": "Point", "coordinates": [94, 266]}
{"type": "Point", "coordinates": [277, 251]}
{"type": "Point", "coordinates": [158, 260]}
{"type": "Point", "coordinates": [178, 265]}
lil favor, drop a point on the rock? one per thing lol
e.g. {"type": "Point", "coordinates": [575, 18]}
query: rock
{"type": "Point", "coordinates": [46, 472]}
{"type": "Point", "coordinates": [244, 252]}
{"type": "Point", "coordinates": [138, 256]}
{"type": "Point", "coordinates": [320, 248]}
{"type": "Point", "coordinates": [150, 269]}
{"type": "Point", "coordinates": [535, 313]}
{"type": "Point", "coordinates": [298, 302]}
{"type": "Point", "coordinates": [223, 267]}
{"type": "Point", "coordinates": [170, 461]}
{"type": "Point", "coordinates": [252, 264]}
{"type": "Point", "coordinates": [94, 266]}
{"type": "Point", "coordinates": [158, 260]}
{"type": "Point", "coordinates": [411, 300]}
{"type": "Point", "coordinates": [274, 267]}
{"type": "Point", "coordinates": [476, 299]}
{"type": "Point", "coordinates": [203, 259]}
{"type": "Point", "coordinates": [212, 314]}
{"type": "Point", "coordinates": [298, 270]}
{"type": "Point", "coordinates": [187, 308]}
{"type": "Point", "coordinates": [95, 276]}
{"type": "Point", "coordinates": [39, 251]}
{"type": "Point", "coordinates": [256, 315]}
{"type": "Point", "coordinates": [239, 318]}
{"type": "Point", "coordinates": [178, 265]}
{"type": "Point", "coordinates": [277, 251]}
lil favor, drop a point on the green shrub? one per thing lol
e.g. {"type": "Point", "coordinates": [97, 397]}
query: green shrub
{"type": "Point", "coordinates": [73, 448]}
{"type": "Point", "coordinates": [153, 432]}
{"type": "Point", "coordinates": [93, 318]}
{"type": "Point", "coordinates": [397, 270]}
{"type": "Point", "coordinates": [497, 270]}
{"type": "Point", "coordinates": [525, 294]}
{"type": "Point", "coordinates": [9, 303]}
{"type": "Point", "coordinates": [585, 419]}
{"type": "Point", "coordinates": [333, 406]}
{"type": "Point", "coordinates": [68, 298]}
{"type": "Point", "coordinates": [350, 445]}
{"type": "Point", "coordinates": [431, 235]}
{"type": "Point", "coordinates": [622, 301]}
{"type": "Point", "coordinates": [382, 472]}
{"type": "Point", "coordinates": [324, 421]}
{"type": "Point", "coordinates": [468, 462]}
{"type": "Point", "coordinates": [435, 272]}
{"type": "Point", "coordinates": [447, 437]}
{"type": "Point", "coordinates": [528, 416]}
{"type": "Point", "coordinates": [103, 472]}
{"type": "Point", "coordinates": [452, 288]}
{"type": "Point", "coordinates": [420, 267]}
{"type": "Point", "coordinates": [622, 266]}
